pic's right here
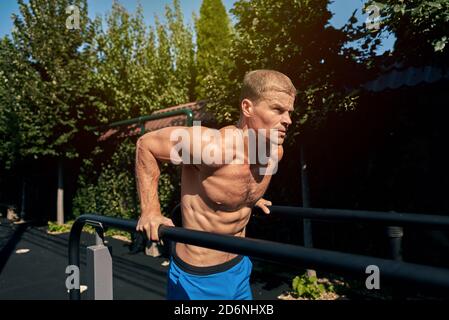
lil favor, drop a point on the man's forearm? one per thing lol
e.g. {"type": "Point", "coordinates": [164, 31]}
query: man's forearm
{"type": "Point", "coordinates": [147, 177]}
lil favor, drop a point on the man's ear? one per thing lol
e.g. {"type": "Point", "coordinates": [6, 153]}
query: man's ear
{"type": "Point", "coordinates": [247, 107]}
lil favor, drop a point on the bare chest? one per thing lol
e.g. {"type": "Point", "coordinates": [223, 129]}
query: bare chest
{"type": "Point", "coordinates": [232, 187]}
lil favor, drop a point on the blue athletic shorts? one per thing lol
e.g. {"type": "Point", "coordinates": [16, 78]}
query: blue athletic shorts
{"type": "Point", "coordinates": [226, 281]}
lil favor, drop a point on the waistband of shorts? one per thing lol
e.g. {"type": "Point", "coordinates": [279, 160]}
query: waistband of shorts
{"type": "Point", "coordinates": [202, 271]}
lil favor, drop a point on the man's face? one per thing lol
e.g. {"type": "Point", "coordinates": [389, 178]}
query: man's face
{"type": "Point", "coordinates": [272, 111]}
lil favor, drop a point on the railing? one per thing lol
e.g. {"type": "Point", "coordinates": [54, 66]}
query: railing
{"type": "Point", "coordinates": [377, 217]}
{"type": "Point", "coordinates": [141, 120]}
{"type": "Point", "coordinates": [5, 205]}
{"type": "Point", "coordinates": [331, 261]}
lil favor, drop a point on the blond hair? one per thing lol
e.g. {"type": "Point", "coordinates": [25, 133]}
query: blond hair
{"type": "Point", "coordinates": [257, 82]}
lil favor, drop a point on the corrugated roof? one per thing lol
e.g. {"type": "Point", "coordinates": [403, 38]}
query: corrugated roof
{"type": "Point", "coordinates": [199, 114]}
{"type": "Point", "coordinates": [411, 76]}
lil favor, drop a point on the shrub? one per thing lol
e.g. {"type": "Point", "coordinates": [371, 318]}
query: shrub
{"type": "Point", "coordinates": [309, 288]}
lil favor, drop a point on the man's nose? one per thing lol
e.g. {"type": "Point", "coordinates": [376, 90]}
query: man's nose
{"type": "Point", "coordinates": [286, 120]}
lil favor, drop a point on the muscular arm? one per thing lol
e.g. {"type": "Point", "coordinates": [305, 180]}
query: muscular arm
{"type": "Point", "coordinates": [152, 148]}
{"type": "Point", "coordinates": [147, 176]}
{"type": "Point", "coordinates": [149, 149]}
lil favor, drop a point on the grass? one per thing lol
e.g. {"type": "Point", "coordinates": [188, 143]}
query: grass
{"type": "Point", "coordinates": [54, 228]}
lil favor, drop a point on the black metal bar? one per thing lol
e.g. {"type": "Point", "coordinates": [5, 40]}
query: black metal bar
{"type": "Point", "coordinates": [326, 260]}
{"type": "Point", "coordinates": [186, 111]}
{"type": "Point", "coordinates": [5, 205]}
{"type": "Point", "coordinates": [385, 218]}
{"type": "Point", "coordinates": [309, 258]}
{"type": "Point", "coordinates": [141, 120]}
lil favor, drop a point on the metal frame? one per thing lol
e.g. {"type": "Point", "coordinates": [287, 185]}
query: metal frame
{"type": "Point", "coordinates": [326, 260]}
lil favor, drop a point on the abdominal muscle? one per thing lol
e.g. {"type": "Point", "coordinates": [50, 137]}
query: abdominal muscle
{"type": "Point", "coordinates": [196, 215]}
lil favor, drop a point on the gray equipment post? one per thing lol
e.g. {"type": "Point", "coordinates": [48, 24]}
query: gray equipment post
{"type": "Point", "coordinates": [99, 270]}
{"type": "Point", "coordinates": [395, 235]}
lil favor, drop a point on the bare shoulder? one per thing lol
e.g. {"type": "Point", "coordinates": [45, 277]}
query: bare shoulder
{"type": "Point", "coordinates": [230, 127]}
{"type": "Point", "coordinates": [229, 131]}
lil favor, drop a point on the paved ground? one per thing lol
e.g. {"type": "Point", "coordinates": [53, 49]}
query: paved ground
{"type": "Point", "coordinates": [40, 273]}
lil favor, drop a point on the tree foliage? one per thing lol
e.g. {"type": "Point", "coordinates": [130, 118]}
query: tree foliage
{"type": "Point", "coordinates": [214, 36]}
{"type": "Point", "coordinates": [420, 26]}
{"type": "Point", "coordinates": [140, 69]}
{"type": "Point", "coordinates": [44, 97]}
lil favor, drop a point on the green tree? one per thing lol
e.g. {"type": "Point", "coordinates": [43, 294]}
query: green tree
{"type": "Point", "coordinates": [182, 48]}
{"type": "Point", "coordinates": [420, 26]}
{"type": "Point", "coordinates": [214, 36]}
{"type": "Point", "coordinates": [175, 65]}
{"type": "Point", "coordinates": [45, 98]}
{"type": "Point", "coordinates": [47, 66]}
{"type": "Point", "coordinates": [123, 81]}
{"type": "Point", "coordinates": [140, 70]}
{"type": "Point", "coordinates": [13, 71]}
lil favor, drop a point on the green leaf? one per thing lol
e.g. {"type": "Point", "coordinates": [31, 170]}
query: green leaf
{"type": "Point", "coordinates": [440, 44]}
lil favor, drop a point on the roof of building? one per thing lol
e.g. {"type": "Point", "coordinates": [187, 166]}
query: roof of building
{"type": "Point", "coordinates": [411, 76]}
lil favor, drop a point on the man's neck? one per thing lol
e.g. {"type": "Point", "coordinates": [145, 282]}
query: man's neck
{"type": "Point", "coordinates": [273, 151]}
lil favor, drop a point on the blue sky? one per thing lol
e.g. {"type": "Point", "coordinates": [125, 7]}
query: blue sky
{"type": "Point", "coordinates": [342, 10]}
